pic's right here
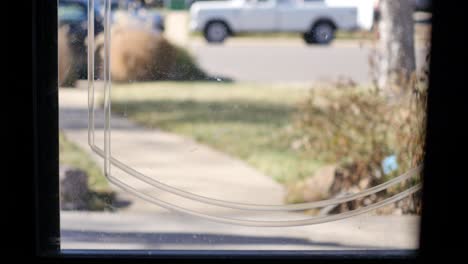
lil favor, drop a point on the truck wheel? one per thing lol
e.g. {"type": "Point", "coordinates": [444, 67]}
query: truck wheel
{"type": "Point", "coordinates": [308, 38]}
{"type": "Point", "coordinates": [322, 33]}
{"type": "Point", "coordinates": [216, 32]}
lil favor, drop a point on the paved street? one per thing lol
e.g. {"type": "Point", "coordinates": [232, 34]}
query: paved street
{"type": "Point", "coordinates": [283, 59]}
{"type": "Point", "coordinates": [286, 60]}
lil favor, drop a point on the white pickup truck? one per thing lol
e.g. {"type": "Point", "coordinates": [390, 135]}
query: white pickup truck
{"type": "Point", "coordinates": [317, 20]}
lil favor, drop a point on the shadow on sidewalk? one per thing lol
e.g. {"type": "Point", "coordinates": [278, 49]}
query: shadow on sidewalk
{"type": "Point", "coordinates": [73, 118]}
{"type": "Point", "coordinates": [158, 239]}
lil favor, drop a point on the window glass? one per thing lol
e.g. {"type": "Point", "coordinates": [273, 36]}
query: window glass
{"type": "Point", "coordinates": [218, 118]}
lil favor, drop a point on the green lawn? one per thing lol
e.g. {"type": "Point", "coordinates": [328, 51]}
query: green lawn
{"type": "Point", "coordinates": [100, 196]}
{"type": "Point", "coordinates": [72, 155]}
{"type": "Point", "coordinates": [284, 131]}
{"type": "Point", "coordinates": [247, 121]}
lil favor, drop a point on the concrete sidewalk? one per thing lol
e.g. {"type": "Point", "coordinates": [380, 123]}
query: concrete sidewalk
{"type": "Point", "coordinates": [174, 160]}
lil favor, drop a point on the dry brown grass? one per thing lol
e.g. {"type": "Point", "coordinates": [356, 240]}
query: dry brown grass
{"type": "Point", "coordinates": [140, 55]}
{"type": "Point", "coordinates": [363, 126]}
{"type": "Point", "coordinates": [356, 129]}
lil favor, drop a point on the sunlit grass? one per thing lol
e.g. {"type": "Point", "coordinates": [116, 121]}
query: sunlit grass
{"type": "Point", "coordinates": [71, 155]}
{"type": "Point", "coordinates": [246, 121]}
{"type": "Point", "coordinates": [100, 196]}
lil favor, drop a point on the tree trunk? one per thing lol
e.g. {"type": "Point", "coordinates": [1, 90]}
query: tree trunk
{"type": "Point", "coordinates": [397, 61]}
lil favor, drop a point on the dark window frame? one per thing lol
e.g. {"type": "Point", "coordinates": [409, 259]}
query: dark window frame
{"type": "Point", "coordinates": [444, 131]}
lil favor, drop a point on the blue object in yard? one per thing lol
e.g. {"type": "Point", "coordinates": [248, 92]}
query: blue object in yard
{"type": "Point", "coordinates": [389, 164]}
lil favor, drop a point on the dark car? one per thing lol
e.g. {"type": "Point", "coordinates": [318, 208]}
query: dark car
{"type": "Point", "coordinates": [422, 5]}
{"type": "Point", "coordinates": [74, 15]}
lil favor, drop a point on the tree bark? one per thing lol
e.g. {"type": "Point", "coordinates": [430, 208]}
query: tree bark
{"type": "Point", "coordinates": [397, 56]}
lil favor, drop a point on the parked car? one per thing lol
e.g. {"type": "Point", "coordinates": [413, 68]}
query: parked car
{"type": "Point", "coordinates": [74, 15]}
{"type": "Point", "coordinates": [189, 3]}
{"type": "Point", "coordinates": [151, 16]}
{"type": "Point", "coordinates": [423, 5]}
{"type": "Point", "coordinates": [316, 20]}
{"type": "Point", "coordinates": [138, 10]}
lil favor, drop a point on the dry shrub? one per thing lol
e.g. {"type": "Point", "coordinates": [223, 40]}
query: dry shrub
{"type": "Point", "coordinates": [139, 55]}
{"type": "Point", "coordinates": [357, 129]}
{"type": "Point", "coordinates": [361, 124]}
{"type": "Point", "coordinates": [185, 67]}
{"type": "Point", "coordinates": [143, 55]}
{"type": "Point", "coordinates": [65, 58]}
